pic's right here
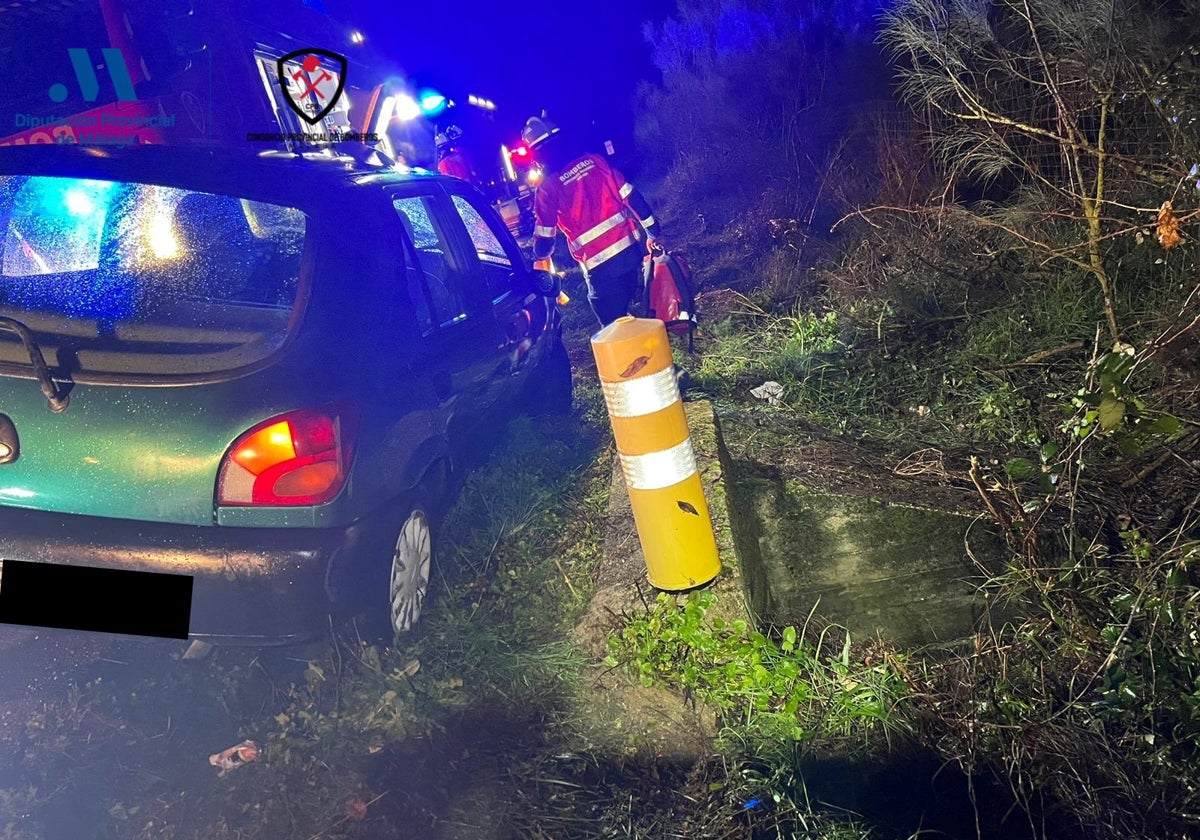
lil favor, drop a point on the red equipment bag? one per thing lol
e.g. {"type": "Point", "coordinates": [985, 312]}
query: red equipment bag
{"type": "Point", "coordinates": [669, 293]}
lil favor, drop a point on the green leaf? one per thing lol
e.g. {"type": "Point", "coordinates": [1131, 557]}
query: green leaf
{"type": "Point", "coordinates": [789, 638]}
{"type": "Point", "coordinates": [1111, 412]}
{"type": "Point", "coordinates": [1048, 451]}
{"type": "Point", "coordinates": [1166, 425]}
{"type": "Point", "coordinates": [1020, 469]}
{"type": "Point", "coordinates": [1168, 610]}
{"type": "Point", "coordinates": [1114, 368]}
{"type": "Point", "coordinates": [1129, 446]}
{"type": "Point", "coordinates": [1122, 604]}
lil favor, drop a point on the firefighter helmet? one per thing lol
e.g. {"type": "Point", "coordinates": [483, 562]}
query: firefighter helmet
{"type": "Point", "coordinates": [537, 131]}
{"type": "Point", "coordinates": [448, 138]}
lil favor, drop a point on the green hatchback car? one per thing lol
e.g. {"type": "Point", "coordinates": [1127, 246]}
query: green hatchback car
{"type": "Point", "coordinates": [267, 371]}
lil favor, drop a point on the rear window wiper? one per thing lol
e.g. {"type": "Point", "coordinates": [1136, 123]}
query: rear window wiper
{"type": "Point", "coordinates": [57, 399]}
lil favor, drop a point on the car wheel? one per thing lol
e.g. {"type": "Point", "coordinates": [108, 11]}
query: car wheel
{"type": "Point", "coordinates": [412, 559]}
{"type": "Point", "coordinates": [552, 386]}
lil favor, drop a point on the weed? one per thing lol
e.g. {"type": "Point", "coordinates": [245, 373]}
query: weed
{"type": "Point", "coordinates": [766, 689]}
{"type": "Point", "coordinates": [1099, 687]}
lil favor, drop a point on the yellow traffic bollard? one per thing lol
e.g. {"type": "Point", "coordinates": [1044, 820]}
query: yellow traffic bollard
{"type": "Point", "coordinates": [633, 356]}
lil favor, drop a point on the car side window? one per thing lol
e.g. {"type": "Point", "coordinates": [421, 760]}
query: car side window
{"type": "Point", "coordinates": [431, 283]}
{"type": "Point", "coordinates": [496, 263]}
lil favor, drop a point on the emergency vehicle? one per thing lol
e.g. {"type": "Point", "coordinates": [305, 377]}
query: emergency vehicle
{"type": "Point", "coordinates": [131, 72]}
{"type": "Point", "coordinates": [148, 71]}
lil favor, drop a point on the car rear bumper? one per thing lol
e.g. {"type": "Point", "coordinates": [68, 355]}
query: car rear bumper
{"type": "Point", "coordinates": [250, 585]}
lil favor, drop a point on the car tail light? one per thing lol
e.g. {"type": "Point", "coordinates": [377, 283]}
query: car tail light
{"type": "Point", "coordinates": [298, 458]}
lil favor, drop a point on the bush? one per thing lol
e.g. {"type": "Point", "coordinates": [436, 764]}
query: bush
{"type": "Point", "coordinates": [754, 101]}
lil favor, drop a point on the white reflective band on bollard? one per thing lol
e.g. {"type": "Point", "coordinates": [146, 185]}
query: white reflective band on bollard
{"type": "Point", "coordinates": [641, 396]}
{"type": "Point", "coordinates": [660, 469]}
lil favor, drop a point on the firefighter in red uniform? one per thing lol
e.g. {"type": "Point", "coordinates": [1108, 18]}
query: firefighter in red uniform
{"type": "Point", "coordinates": [452, 159]}
{"type": "Point", "coordinates": [595, 207]}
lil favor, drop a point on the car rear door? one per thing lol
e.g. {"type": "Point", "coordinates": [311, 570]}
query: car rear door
{"type": "Point", "coordinates": [460, 351]}
{"type": "Point", "coordinates": [496, 262]}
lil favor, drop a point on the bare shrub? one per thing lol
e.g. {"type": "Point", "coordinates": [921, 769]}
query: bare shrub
{"type": "Point", "coordinates": [1080, 113]}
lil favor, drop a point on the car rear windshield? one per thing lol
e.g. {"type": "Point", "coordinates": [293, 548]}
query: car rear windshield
{"type": "Point", "coordinates": [126, 278]}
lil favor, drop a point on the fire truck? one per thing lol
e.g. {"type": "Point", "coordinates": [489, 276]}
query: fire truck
{"type": "Point", "coordinates": [152, 71]}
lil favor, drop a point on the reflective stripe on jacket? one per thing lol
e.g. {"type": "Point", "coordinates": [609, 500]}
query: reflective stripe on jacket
{"type": "Point", "coordinates": [587, 201]}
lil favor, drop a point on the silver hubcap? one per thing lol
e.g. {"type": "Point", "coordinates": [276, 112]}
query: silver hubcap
{"type": "Point", "coordinates": [410, 572]}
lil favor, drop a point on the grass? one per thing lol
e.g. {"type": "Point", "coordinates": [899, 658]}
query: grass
{"type": "Point", "coordinates": [764, 690]}
{"type": "Point", "coordinates": [826, 380]}
{"type": "Point", "coordinates": [858, 369]}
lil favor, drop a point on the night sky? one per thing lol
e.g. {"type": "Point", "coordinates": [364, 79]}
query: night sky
{"type": "Point", "coordinates": [581, 61]}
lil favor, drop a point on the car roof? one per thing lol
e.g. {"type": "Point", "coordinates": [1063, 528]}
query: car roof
{"type": "Point", "coordinates": [301, 180]}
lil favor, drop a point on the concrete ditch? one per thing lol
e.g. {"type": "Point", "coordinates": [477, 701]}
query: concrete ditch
{"type": "Point", "coordinates": [908, 574]}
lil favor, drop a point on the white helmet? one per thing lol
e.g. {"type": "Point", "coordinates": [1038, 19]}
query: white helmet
{"type": "Point", "coordinates": [537, 131]}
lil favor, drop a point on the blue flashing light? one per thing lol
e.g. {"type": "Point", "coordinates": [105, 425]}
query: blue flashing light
{"type": "Point", "coordinates": [432, 103]}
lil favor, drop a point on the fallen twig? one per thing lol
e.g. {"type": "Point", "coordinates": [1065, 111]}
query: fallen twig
{"type": "Point", "coordinates": [1042, 355]}
{"type": "Point", "coordinates": [1004, 522]}
{"type": "Point", "coordinates": [1141, 474]}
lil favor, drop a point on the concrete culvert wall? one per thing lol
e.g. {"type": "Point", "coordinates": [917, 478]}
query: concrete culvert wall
{"type": "Point", "coordinates": [909, 574]}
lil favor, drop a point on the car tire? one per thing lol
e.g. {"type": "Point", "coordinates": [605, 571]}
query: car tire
{"type": "Point", "coordinates": [408, 579]}
{"type": "Point", "coordinates": [552, 389]}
